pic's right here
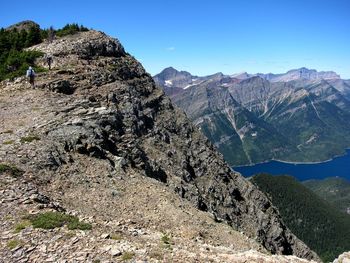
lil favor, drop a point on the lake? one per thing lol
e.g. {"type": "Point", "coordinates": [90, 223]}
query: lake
{"type": "Point", "coordinates": [339, 166]}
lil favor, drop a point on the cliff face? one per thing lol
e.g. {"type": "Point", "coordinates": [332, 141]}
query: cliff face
{"type": "Point", "coordinates": [100, 118]}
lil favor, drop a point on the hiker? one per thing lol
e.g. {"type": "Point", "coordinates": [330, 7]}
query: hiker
{"type": "Point", "coordinates": [31, 76]}
{"type": "Point", "coordinates": [49, 61]}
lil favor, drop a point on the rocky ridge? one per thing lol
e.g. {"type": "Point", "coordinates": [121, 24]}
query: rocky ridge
{"type": "Point", "coordinates": [109, 144]}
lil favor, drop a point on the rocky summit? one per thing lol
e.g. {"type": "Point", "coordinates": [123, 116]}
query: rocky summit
{"type": "Point", "coordinates": [97, 141]}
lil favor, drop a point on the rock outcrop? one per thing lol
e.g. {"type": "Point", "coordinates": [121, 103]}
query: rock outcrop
{"type": "Point", "coordinates": [343, 258]}
{"type": "Point", "coordinates": [102, 122]}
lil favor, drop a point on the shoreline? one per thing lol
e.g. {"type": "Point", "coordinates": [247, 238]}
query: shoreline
{"type": "Point", "coordinates": [347, 151]}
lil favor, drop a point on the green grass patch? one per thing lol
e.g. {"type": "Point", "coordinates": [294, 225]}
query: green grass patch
{"type": "Point", "coordinates": [8, 131]}
{"type": "Point", "coordinates": [76, 224]}
{"type": "Point", "coordinates": [127, 256]}
{"type": "Point", "coordinates": [116, 237]}
{"type": "Point", "coordinates": [166, 239]}
{"type": "Point", "coordinates": [8, 142]}
{"type": "Point", "coordinates": [11, 169]}
{"type": "Point", "coordinates": [50, 220]}
{"type": "Point", "coordinates": [30, 138]}
{"type": "Point", "coordinates": [22, 225]}
{"type": "Point", "coordinates": [167, 242]}
{"type": "Point", "coordinates": [11, 244]}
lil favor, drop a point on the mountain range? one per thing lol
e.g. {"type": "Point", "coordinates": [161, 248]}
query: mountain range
{"type": "Point", "coordinates": [300, 116]}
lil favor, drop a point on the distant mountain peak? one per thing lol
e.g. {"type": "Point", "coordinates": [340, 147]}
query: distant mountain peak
{"type": "Point", "coordinates": [304, 73]}
{"type": "Point", "coordinates": [241, 75]}
{"type": "Point", "coordinates": [171, 77]}
{"type": "Point", "coordinates": [170, 69]}
{"type": "Point", "coordinates": [252, 79]}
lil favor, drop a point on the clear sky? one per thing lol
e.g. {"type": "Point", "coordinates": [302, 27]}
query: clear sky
{"type": "Point", "coordinates": [205, 37]}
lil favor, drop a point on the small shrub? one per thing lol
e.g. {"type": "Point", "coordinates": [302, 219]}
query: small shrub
{"type": "Point", "coordinates": [69, 235]}
{"type": "Point", "coordinates": [127, 256]}
{"type": "Point", "coordinates": [8, 142]}
{"type": "Point", "coordinates": [22, 225]}
{"type": "Point", "coordinates": [166, 241]}
{"type": "Point", "coordinates": [29, 138]}
{"type": "Point", "coordinates": [11, 169]}
{"type": "Point", "coordinates": [8, 131]}
{"type": "Point", "coordinates": [116, 237]}
{"type": "Point", "coordinates": [76, 224]}
{"type": "Point", "coordinates": [50, 220]}
{"type": "Point", "coordinates": [11, 244]}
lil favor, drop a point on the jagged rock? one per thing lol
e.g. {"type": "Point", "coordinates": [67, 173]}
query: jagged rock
{"type": "Point", "coordinates": [115, 252]}
{"type": "Point", "coordinates": [61, 86]}
{"type": "Point", "coordinates": [105, 236]}
{"type": "Point", "coordinates": [40, 198]}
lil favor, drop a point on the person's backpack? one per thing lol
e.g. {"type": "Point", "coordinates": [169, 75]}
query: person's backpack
{"type": "Point", "coordinates": [30, 73]}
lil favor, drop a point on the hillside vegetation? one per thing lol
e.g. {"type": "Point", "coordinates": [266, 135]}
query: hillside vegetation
{"type": "Point", "coordinates": [320, 225]}
{"type": "Point", "coordinates": [335, 190]}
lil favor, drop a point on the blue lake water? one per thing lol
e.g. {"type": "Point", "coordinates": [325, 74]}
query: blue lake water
{"type": "Point", "coordinates": [339, 166]}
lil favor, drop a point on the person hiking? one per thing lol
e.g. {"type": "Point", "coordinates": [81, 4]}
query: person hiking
{"type": "Point", "coordinates": [31, 76]}
{"type": "Point", "coordinates": [49, 61]}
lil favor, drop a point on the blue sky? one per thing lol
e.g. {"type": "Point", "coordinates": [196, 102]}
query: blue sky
{"type": "Point", "coordinates": [205, 37]}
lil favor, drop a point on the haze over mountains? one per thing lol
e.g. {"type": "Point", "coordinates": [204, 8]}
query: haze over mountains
{"type": "Point", "coordinates": [300, 116]}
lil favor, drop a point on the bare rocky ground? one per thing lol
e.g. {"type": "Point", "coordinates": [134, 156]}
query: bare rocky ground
{"type": "Point", "coordinates": [147, 224]}
{"type": "Point", "coordinates": [97, 140]}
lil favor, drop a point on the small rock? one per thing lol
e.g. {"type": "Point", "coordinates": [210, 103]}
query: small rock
{"type": "Point", "coordinates": [74, 240]}
{"type": "Point", "coordinates": [105, 236]}
{"type": "Point", "coordinates": [115, 252]}
{"type": "Point", "coordinates": [18, 253]}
